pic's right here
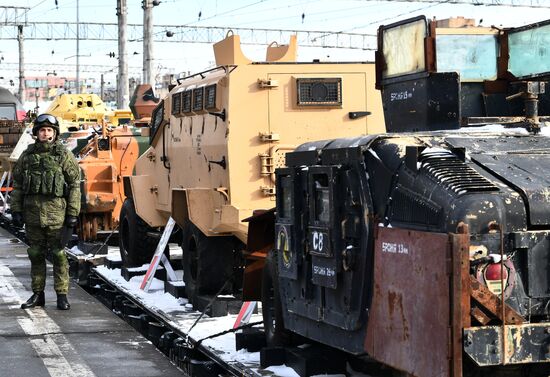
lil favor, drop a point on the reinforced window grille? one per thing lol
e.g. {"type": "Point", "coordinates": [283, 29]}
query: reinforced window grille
{"type": "Point", "coordinates": [198, 99]}
{"type": "Point", "coordinates": [186, 101]}
{"type": "Point", "coordinates": [319, 91]}
{"type": "Point", "coordinates": [210, 97]}
{"type": "Point", "coordinates": [176, 104]}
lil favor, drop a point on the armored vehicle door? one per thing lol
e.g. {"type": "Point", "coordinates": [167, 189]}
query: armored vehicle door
{"type": "Point", "coordinates": [321, 242]}
{"type": "Point", "coordinates": [310, 106]}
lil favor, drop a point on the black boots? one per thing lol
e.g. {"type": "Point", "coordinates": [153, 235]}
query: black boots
{"type": "Point", "coordinates": [62, 303]}
{"type": "Point", "coordinates": [37, 299]}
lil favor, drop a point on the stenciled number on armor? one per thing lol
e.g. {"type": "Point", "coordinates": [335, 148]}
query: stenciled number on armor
{"type": "Point", "coordinates": [318, 241]}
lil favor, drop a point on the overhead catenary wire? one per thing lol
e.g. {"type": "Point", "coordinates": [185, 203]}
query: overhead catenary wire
{"type": "Point", "coordinates": [240, 13]}
{"type": "Point", "coordinates": [375, 22]}
{"type": "Point", "coordinates": [191, 34]}
{"type": "Point", "coordinates": [226, 12]}
{"type": "Point", "coordinates": [505, 3]}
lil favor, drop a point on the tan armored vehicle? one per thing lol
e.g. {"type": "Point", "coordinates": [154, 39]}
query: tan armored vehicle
{"type": "Point", "coordinates": [216, 140]}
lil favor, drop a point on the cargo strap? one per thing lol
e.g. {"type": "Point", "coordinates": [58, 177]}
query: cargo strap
{"type": "Point", "coordinates": [251, 324]}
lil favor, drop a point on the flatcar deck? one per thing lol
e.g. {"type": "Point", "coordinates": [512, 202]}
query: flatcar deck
{"type": "Point", "coordinates": [191, 338]}
{"type": "Point", "coordinates": [88, 340]}
{"type": "Point", "coordinates": [211, 336]}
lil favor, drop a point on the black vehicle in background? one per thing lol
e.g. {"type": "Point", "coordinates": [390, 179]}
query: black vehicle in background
{"type": "Point", "coordinates": [400, 248]}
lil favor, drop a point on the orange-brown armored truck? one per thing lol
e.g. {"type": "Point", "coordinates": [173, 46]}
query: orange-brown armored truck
{"type": "Point", "coordinates": [105, 157]}
{"type": "Point", "coordinates": [215, 142]}
{"type": "Point", "coordinates": [104, 160]}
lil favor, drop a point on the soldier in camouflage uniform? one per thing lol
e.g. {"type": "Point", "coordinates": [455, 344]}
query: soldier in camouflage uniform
{"type": "Point", "coordinates": [46, 197]}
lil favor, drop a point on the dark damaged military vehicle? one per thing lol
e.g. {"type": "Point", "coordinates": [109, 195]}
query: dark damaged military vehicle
{"type": "Point", "coordinates": [400, 248]}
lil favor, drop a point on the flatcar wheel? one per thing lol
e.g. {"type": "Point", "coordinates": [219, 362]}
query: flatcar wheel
{"type": "Point", "coordinates": [272, 309]}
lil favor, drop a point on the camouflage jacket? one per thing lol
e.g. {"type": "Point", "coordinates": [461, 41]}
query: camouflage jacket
{"type": "Point", "coordinates": [46, 185]}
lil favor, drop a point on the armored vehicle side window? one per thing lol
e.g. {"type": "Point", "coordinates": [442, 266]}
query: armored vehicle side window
{"type": "Point", "coordinates": [321, 197]}
{"type": "Point", "coordinates": [474, 57]}
{"type": "Point", "coordinates": [319, 91]}
{"type": "Point", "coordinates": [210, 97]}
{"type": "Point", "coordinates": [198, 99]}
{"type": "Point", "coordinates": [156, 118]}
{"type": "Point", "coordinates": [403, 48]}
{"type": "Point", "coordinates": [176, 104]}
{"type": "Point", "coordinates": [285, 210]}
{"type": "Point", "coordinates": [529, 51]}
{"type": "Point", "coordinates": [186, 101]}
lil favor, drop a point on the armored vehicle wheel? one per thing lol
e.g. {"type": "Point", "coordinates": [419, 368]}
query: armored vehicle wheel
{"type": "Point", "coordinates": [272, 308]}
{"type": "Point", "coordinates": [135, 247]}
{"type": "Point", "coordinates": [207, 262]}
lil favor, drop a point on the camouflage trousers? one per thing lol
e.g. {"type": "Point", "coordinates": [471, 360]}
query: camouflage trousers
{"type": "Point", "coordinates": [43, 241]}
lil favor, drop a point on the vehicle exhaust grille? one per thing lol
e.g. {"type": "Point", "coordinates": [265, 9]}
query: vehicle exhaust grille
{"type": "Point", "coordinates": [453, 174]}
{"type": "Point", "coordinates": [411, 208]}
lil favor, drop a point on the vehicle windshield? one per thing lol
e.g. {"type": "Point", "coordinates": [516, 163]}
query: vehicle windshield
{"type": "Point", "coordinates": [7, 111]}
{"type": "Point", "coordinates": [471, 52]}
{"type": "Point", "coordinates": [404, 49]}
{"type": "Point", "coordinates": [473, 56]}
{"type": "Point", "coordinates": [529, 51]}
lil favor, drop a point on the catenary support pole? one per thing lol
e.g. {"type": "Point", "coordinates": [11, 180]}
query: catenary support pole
{"type": "Point", "coordinates": [102, 88]}
{"type": "Point", "coordinates": [21, 92]}
{"type": "Point", "coordinates": [148, 42]}
{"type": "Point", "coordinates": [78, 87]}
{"type": "Point", "coordinates": [122, 84]}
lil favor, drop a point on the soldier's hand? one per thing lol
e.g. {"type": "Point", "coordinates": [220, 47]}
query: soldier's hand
{"type": "Point", "coordinates": [17, 219]}
{"type": "Point", "coordinates": [70, 221]}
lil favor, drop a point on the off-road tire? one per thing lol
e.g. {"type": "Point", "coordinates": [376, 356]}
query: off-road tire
{"type": "Point", "coordinates": [272, 308]}
{"type": "Point", "coordinates": [135, 247]}
{"type": "Point", "coordinates": [207, 262]}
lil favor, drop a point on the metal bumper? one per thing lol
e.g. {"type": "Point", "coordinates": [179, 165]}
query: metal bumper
{"type": "Point", "coordinates": [525, 343]}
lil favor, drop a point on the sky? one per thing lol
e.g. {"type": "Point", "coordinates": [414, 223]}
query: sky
{"type": "Point", "coordinates": [332, 16]}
